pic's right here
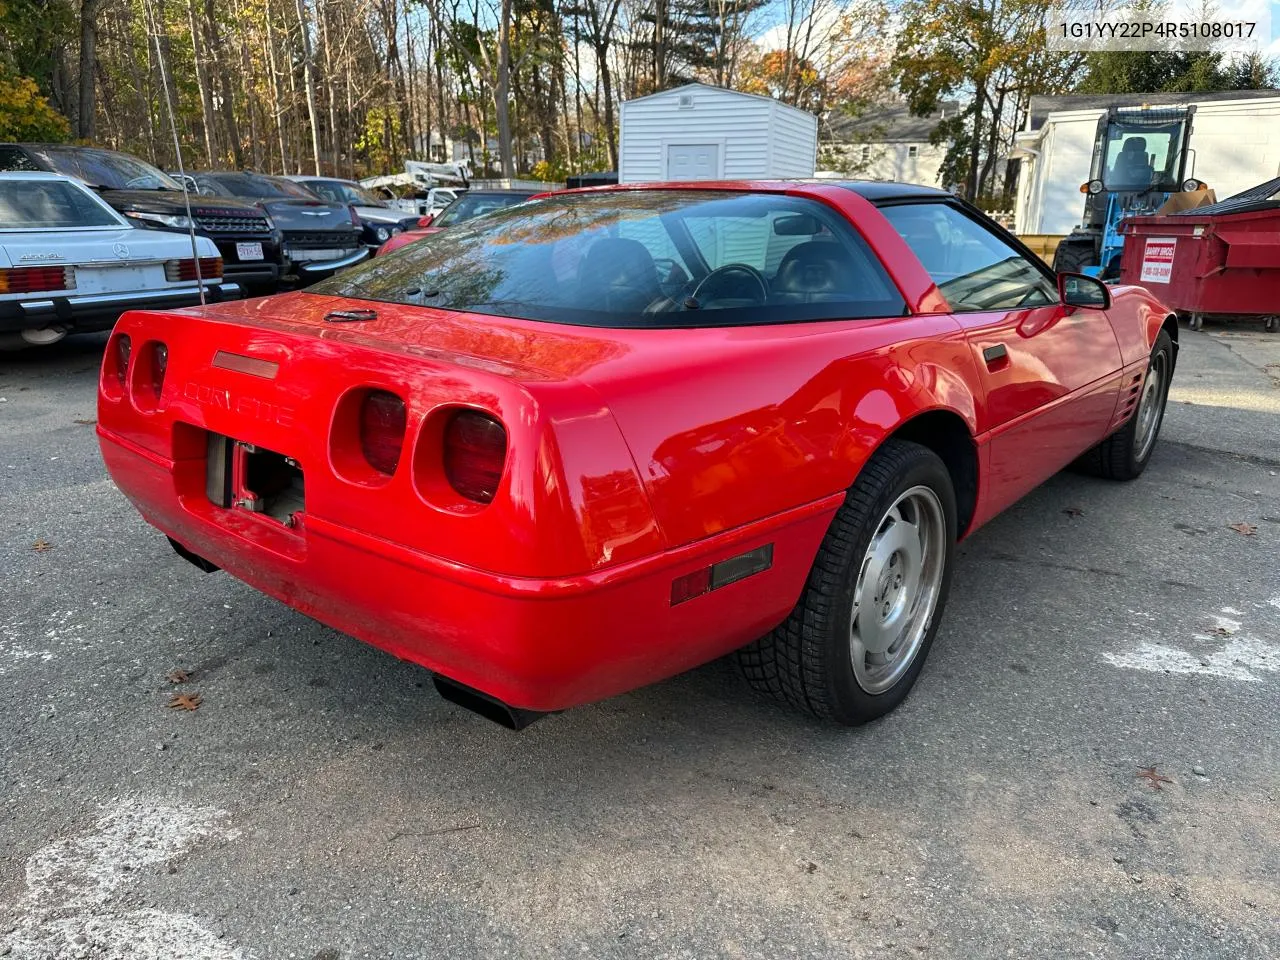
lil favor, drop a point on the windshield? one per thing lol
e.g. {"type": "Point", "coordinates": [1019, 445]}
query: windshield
{"type": "Point", "coordinates": [105, 168]}
{"type": "Point", "coordinates": [471, 205]}
{"type": "Point", "coordinates": [338, 192]}
{"type": "Point", "coordinates": [252, 186]}
{"type": "Point", "coordinates": [651, 258]}
{"type": "Point", "coordinates": [50, 204]}
{"type": "Point", "coordinates": [1142, 156]}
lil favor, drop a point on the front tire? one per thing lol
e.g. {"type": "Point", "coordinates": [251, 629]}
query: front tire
{"type": "Point", "coordinates": [1125, 454]}
{"type": "Point", "coordinates": [857, 640]}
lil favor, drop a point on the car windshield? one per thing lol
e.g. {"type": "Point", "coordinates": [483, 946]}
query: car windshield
{"type": "Point", "coordinates": [105, 168]}
{"type": "Point", "coordinates": [643, 258]}
{"type": "Point", "coordinates": [50, 204]}
{"type": "Point", "coordinates": [471, 205]}
{"type": "Point", "coordinates": [252, 186]}
{"type": "Point", "coordinates": [294, 189]}
{"type": "Point", "coordinates": [338, 192]}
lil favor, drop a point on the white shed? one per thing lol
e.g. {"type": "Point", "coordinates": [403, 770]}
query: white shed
{"type": "Point", "coordinates": [700, 132]}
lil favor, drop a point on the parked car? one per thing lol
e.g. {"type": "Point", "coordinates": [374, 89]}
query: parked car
{"type": "Point", "coordinates": [69, 263]}
{"type": "Point", "coordinates": [472, 204]}
{"type": "Point", "coordinates": [244, 234]}
{"type": "Point", "coordinates": [317, 238]}
{"type": "Point", "coordinates": [607, 436]}
{"type": "Point", "coordinates": [380, 221]}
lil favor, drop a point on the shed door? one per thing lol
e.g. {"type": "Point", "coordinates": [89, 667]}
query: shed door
{"type": "Point", "coordinates": [693, 161]}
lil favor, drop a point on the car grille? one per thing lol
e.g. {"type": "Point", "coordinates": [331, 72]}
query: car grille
{"type": "Point", "coordinates": [326, 238]}
{"type": "Point", "coordinates": [232, 224]}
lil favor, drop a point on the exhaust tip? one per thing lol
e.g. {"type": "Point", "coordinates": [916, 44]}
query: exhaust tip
{"type": "Point", "coordinates": [193, 558]}
{"type": "Point", "coordinates": [491, 708]}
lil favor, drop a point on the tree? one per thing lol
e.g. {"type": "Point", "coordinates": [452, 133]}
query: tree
{"type": "Point", "coordinates": [25, 114]}
{"type": "Point", "coordinates": [990, 52]}
{"type": "Point", "coordinates": [1173, 72]}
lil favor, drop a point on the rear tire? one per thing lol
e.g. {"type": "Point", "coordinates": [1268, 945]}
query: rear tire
{"type": "Point", "coordinates": [855, 643]}
{"type": "Point", "coordinates": [1125, 454]}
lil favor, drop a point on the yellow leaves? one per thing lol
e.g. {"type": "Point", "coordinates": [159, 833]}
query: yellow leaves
{"type": "Point", "coordinates": [26, 115]}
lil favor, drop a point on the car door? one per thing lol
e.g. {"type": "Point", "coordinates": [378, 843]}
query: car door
{"type": "Point", "coordinates": [1051, 372]}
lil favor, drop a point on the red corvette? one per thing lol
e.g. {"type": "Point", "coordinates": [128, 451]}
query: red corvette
{"type": "Point", "coordinates": [589, 442]}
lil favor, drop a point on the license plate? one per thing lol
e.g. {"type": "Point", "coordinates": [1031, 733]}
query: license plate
{"type": "Point", "coordinates": [322, 254]}
{"type": "Point", "coordinates": [118, 279]}
{"type": "Point", "coordinates": [249, 251]}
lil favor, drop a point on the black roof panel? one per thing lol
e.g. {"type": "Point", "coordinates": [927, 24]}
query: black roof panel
{"type": "Point", "coordinates": [875, 190]}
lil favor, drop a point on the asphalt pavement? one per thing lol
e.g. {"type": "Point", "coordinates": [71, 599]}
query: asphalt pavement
{"type": "Point", "coordinates": [323, 802]}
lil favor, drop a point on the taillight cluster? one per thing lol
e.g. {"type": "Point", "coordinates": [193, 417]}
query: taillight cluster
{"type": "Point", "coordinates": [458, 452]}
{"type": "Point", "coordinates": [382, 423]}
{"type": "Point", "coordinates": [37, 279]}
{"type": "Point", "coordinates": [210, 269]}
{"type": "Point", "coordinates": [475, 452]}
{"type": "Point", "coordinates": [145, 371]}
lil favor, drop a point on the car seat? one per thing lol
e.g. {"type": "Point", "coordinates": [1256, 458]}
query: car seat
{"type": "Point", "coordinates": [618, 275]}
{"type": "Point", "coordinates": [815, 271]}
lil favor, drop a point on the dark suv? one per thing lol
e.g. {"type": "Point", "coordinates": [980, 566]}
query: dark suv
{"type": "Point", "coordinates": [246, 237]}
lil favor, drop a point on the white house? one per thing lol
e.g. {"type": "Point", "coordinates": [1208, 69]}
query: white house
{"type": "Point", "coordinates": [886, 143]}
{"type": "Point", "coordinates": [1234, 144]}
{"type": "Point", "coordinates": [701, 132]}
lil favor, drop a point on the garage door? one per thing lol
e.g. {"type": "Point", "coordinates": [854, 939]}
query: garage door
{"type": "Point", "coordinates": [693, 161]}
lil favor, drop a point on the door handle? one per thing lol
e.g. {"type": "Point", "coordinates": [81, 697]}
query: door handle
{"type": "Point", "coordinates": [996, 356]}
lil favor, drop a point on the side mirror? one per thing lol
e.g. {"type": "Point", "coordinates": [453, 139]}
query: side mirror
{"type": "Point", "coordinates": [1077, 290]}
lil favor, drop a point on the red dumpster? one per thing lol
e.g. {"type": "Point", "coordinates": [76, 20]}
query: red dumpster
{"type": "Point", "coordinates": [1223, 259]}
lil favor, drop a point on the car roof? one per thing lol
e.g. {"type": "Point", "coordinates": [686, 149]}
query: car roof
{"type": "Point", "coordinates": [496, 193]}
{"type": "Point", "coordinates": [872, 190]}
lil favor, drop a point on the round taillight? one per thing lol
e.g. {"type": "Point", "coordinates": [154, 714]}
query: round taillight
{"type": "Point", "coordinates": [124, 347]}
{"type": "Point", "coordinates": [382, 423]}
{"type": "Point", "coordinates": [475, 454]}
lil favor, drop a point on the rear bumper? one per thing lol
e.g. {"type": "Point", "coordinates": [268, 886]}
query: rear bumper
{"type": "Point", "coordinates": [88, 312]}
{"type": "Point", "coordinates": [534, 643]}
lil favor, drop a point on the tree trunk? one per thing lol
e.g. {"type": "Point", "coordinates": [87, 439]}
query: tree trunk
{"type": "Point", "coordinates": [975, 145]}
{"type": "Point", "coordinates": [278, 106]}
{"type": "Point", "coordinates": [309, 79]}
{"type": "Point", "coordinates": [227, 106]}
{"type": "Point", "coordinates": [606, 81]}
{"type": "Point", "coordinates": [335, 150]}
{"type": "Point", "coordinates": [501, 94]}
{"type": "Point", "coordinates": [202, 85]}
{"type": "Point", "coordinates": [87, 108]}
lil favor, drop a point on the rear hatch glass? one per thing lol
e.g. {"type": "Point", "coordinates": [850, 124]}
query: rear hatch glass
{"type": "Point", "coordinates": [642, 258]}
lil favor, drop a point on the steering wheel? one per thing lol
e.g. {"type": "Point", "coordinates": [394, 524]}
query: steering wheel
{"type": "Point", "coordinates": [729, 270]}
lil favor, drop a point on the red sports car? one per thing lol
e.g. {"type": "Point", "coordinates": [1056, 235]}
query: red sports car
{"type": "Point", "coordinates": [591, 441]}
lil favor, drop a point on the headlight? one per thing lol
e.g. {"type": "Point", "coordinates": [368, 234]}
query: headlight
{"type": "Point", "coordinates": [1095, 187]}
{"type": "Point", "coordinates": [164, 219]}
{"type": "Point", "coordinates": [396, 231]}
{"type": "Point", "coordinates": [1191, 184]}
{"type": "Point", "coordinates": [381, 234]}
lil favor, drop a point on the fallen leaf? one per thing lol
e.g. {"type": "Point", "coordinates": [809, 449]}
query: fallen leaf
{"type": "Point", "coordinates": [1221, 632]}
{"type": "Point", "coordinates": [178, 676]}
{"type": "Point", "coordinates": [185, 701]}
{"type": "Point", "coordinates": [40, 546]}
{"type": "Point", "coordinates": [1073, 512]}
{"type": "Point", "coordinates": [1244, 529]}
{"type": "Point", "coordinates": [84, 423]}
{"type": "Point", "coordinates": [1152, 777]}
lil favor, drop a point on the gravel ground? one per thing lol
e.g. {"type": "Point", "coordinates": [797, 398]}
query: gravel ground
{"type": "Point", "coordinates": [324, 803]}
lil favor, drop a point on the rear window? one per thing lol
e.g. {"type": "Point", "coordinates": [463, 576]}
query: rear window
{"type": "Point", "coordinates": [49, 204]}
{"type": "Point", "coordinates": [652, 258]}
